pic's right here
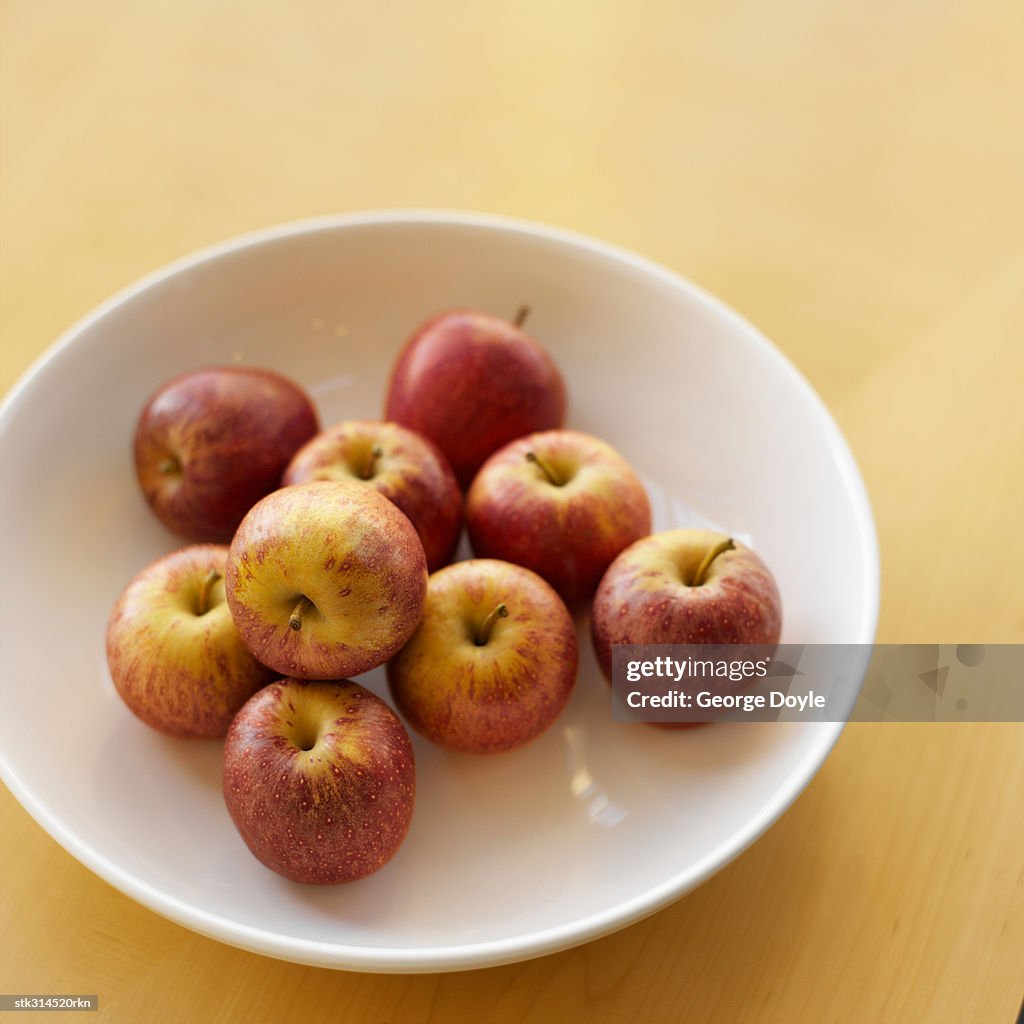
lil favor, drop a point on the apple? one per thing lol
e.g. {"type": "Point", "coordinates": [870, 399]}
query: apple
{"type": "Point", "coordinates": [471, 383]}
{"type": "Point", "coordinates": [319, 780]}
{"type": "Point", "coordinates": [685, 586]}
{"type": "Point", "coordinates": [174, 654]}
{"type": "Point", "coordinates": [405, 467]}
{"type": "Point", "coordinates": [561, 503]}
{"type": "Point", "coordinates": [493, 661]}
{"type": "Point", "coordinates": [209, 444]}
{"type": "Point", "coordinates": [325, 579]}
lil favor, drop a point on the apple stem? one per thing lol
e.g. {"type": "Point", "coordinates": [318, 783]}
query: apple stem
{"type": "Point", "coordinates": [204, 591]}
{"type": "Point", "coordinates": [483, 634]}
{"type": "Point", "coordinates": [169, 465]}
{"type": "Point", "coordinates": [370, 462]}
{"type": "Point", "coordinates": [295, 619]}
{"type": "Point", "coordinates": [546, 468]}
{"type": "Point", "coordinates": [521, 314]}
{"type": "Point", "coordinates": [722, 545]}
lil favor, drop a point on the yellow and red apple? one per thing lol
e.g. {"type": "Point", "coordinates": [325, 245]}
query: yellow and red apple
{"type": "Point", "coordinates": [685, 586]}
{"type": "Point", "coordinates": [405, 467]}
{"type": "Point", "coordinates": [174, 653]}
{"type": "Point", "coordinates": [562, 503]}
{"type": "Point", "coordinates": [493, 661]}
{"type": "Point", "coordinates": [319, 780]}
{"type": "Point", "coordinates": [325, 579]}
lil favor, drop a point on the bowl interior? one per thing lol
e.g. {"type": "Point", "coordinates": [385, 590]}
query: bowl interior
{"type": "Point", "coordinates": [591, 826]}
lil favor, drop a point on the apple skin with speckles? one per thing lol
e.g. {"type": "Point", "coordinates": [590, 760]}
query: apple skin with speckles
{"type": "Point", "coordinates": [566, 521]}
{"type": "Point", "coordinates": [646, 596]}
{"type": "Point", "coordinates": [319, 779]}
{"type": "Point", "coordinates": [210, 443]}
{"type": "Point", "coordinates": [325, 580]}
{"type": "Point", "coordinates": [404, 466]}
{"type": "Point", "coordinates": [174, 654]}
{"type": "Point", "coordinates": [480, 689]}
{"type": "Point", "coordinates": [472, 382]}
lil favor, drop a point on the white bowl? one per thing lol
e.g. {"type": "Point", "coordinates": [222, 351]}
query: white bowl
{"type": "Point", "coordinates": [592, 826]}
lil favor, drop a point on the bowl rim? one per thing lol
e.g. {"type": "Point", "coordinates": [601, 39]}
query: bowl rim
{"type": "Point", "coordinates": [416, 959]}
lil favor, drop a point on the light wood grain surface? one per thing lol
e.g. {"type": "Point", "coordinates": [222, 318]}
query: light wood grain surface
{"type": "Point", "coordinates": [849, 176]}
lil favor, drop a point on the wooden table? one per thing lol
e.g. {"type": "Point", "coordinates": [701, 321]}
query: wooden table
{"type": "Point", "coordinates": [850, 176]}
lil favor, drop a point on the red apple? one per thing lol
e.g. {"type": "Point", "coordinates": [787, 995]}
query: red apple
{"type": "Point", "coordinates": [561, 503]}
{"type": "Point", "coordinates": [209, 444]}
{"type": "Point", "coordinates": [493, 661]}
{"type": "Point", "coordinates": [405, 467]}
{"type": "Point", "coordinates": [319, 780]}
{"type": "Point", "coordinates": [174, 654]}
{"type": "Point", "coordinates": [685, 587]}
{"type": "Point", "coordinates": [325, 579]}
{"type": "Point", "coordinates": [471, 383]}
